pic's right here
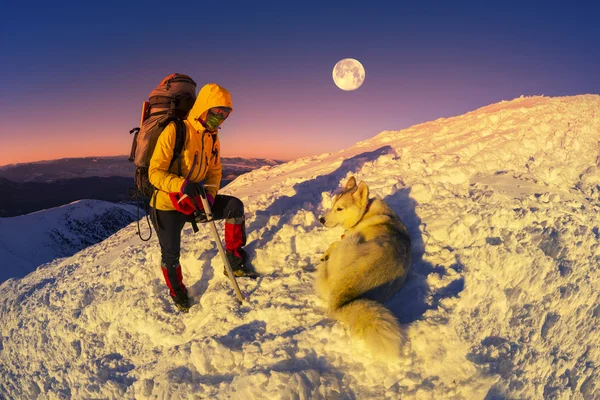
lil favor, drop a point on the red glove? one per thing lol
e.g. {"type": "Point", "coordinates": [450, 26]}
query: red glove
{"type": "Point", "coordinates": [211, 200]}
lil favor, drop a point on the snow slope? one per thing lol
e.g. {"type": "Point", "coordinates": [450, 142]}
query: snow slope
{"type": "Point", "coordinates": [30, 240]}
{"type": "Point", "coordinates": [503, 300]}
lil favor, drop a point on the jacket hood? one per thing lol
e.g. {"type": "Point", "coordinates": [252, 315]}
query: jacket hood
{"type": "Point", "coordinates": [211, 95]}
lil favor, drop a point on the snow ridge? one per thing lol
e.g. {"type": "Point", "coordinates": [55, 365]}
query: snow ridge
{"type": "Point", "coordinates": [28, 241]}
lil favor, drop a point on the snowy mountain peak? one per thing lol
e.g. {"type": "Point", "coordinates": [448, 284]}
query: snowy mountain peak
{"type": "Point", "coordinates": [503, 300]}
{"type": "Point", "coordinates": [28, 241]}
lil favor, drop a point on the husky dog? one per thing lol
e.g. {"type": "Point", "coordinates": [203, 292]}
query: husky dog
{"type": "Point", "coordinates": [365, 268]}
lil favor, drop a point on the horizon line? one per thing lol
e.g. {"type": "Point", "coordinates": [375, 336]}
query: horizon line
{"type": "Point", "coordinates": [126, 155]}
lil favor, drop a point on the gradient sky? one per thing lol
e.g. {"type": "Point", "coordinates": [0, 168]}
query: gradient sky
{"type": "Point", "coordinates": [73, 75]}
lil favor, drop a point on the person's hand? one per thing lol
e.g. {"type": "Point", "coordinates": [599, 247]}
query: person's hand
{"type": "Point", "coordinates": [211, 200]}
{"type": "Point", "coordinates": [191, 189]}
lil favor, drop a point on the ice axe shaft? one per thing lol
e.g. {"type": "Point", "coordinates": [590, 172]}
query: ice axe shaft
{"type": "Point", "coordinates": [213, 228]}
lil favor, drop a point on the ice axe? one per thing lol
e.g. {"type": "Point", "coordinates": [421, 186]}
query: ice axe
{"type": "Point", "coordinates": [213, 227]}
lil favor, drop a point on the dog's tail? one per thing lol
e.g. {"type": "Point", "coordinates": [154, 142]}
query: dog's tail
{"type": "Point", "coordinates": [373, 323]}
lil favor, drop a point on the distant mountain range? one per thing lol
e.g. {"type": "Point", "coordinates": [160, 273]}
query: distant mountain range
{"type": "Point", "coordinates": [104, 167]}
{"type": "Point", "coordinates": [23, 198]}
{"type": "Point", "coordinates": [40, 185]}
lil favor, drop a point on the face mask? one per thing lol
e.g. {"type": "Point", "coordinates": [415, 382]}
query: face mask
{"type": "Point", "coordinates": [213, 121]}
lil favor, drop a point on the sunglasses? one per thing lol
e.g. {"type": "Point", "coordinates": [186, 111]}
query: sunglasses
{"type": "Point", "coordinates": [219, 112]}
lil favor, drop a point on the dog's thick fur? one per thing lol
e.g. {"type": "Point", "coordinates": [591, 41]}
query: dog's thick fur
{"type": "Point", "coordinates": [366, 268]}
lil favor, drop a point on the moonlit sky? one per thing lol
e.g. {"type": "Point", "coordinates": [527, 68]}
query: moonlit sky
{"type": "Point", "coordinates": [73, 75]}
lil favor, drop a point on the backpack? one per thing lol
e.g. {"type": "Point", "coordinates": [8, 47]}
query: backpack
{"type": "Point", "coordinates": [170, 101]}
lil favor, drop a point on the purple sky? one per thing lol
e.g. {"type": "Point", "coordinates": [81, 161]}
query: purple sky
{"type": "Point", "coordinates": [74, 75]}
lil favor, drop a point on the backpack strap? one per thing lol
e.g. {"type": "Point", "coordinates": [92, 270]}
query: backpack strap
{"type": "Point", "coordinates": [180, 133]}
{"type": "Point", "coordinates": [138, 196]}
{"type": "Point", "coordinates": [135, 131]}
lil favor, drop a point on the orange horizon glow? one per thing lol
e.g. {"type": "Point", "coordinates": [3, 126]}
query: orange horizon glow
{"type": "Point", "coordinates": [285, 135]}
{"type": "Point", "coordinates": [12, 152]}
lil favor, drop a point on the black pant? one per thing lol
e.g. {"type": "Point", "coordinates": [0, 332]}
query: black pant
{"type": "Point", "coordinates": [169, 224]}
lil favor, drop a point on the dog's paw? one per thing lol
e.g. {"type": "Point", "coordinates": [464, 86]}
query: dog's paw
{"type": "Point", "coordinates": [332, 246]}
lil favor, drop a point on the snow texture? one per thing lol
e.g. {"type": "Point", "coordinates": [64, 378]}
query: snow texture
{"type": "Point", "coordinates": [27, 241]}
{"type": "Point", "coordinates": [502, 302]}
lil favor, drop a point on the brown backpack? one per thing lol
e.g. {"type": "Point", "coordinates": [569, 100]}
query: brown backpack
{"type": "Point", "coordinates": [170, 101]}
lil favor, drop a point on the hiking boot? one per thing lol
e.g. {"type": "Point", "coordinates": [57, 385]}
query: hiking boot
{"type": "Point", "coordinates": [182, 302]}
{"type": "Point", "coordinates": [237, 259]}
{"type": "Point", "coordinates": [241, 272]}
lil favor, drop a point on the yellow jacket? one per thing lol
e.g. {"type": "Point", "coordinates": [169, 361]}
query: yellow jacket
{"type": "Point", "coordinates": [200, 158]}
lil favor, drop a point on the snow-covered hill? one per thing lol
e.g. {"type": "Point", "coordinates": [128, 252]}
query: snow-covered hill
{"type": "Point", "coordinates": [30, 240]}
{"type": "Point", "coordinates": [503, 300]}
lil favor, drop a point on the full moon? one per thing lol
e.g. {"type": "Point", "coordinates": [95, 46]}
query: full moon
{"type": "Point", "coordinates": [348, 74]}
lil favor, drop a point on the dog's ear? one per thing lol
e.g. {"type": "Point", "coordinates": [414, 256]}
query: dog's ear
{"type": "Point", "coordinates": [350, 184]}
{"type": "Point", "coordinates": [362, 194]}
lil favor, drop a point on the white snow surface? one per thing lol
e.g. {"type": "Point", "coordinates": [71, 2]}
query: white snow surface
{"type": "Point", "coordinates": [27, 241]}
{"type": "Point", "coordinates": [502, 302]}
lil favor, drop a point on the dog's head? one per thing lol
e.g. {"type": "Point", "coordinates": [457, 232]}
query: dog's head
{"type": "Point", "coordinates": [348, 207]}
